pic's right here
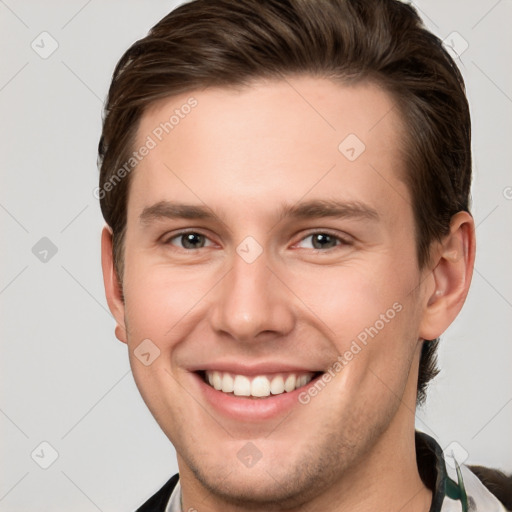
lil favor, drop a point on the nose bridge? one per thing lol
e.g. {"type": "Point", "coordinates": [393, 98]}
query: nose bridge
{"type": "Point", "coordinates": [250, 300]}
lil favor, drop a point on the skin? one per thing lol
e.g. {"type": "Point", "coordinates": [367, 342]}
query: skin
{"type": "Point", "coordinates": [244, 154]}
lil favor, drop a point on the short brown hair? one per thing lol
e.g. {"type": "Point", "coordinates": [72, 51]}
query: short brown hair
{"type": "Point", "coordinates": [232, 42]}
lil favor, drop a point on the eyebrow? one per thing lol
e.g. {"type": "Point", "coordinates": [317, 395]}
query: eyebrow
{"type": "Point", "coordinates": [172, 210]}
{"type": "Point", "coordinates": [317, 208]}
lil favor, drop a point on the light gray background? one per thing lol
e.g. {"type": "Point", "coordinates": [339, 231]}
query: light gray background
{"type": "Point", "coordinates": [66, 379]}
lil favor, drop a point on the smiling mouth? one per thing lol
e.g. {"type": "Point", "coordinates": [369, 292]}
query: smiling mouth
{"type": "Point", "coordinates": [257, 386]}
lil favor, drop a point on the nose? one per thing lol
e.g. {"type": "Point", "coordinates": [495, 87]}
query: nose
{"type": "Point", "coordinates": [252, 303]}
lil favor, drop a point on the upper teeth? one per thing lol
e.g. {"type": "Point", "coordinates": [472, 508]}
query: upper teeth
{"type": "Point", "coordinates": [259, 385]}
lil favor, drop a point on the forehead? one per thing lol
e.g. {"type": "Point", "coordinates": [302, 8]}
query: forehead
{"type": "Point", "coordinates": [272, 139]}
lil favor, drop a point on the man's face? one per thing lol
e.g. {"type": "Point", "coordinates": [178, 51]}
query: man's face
{"type": "Point", "coordinates": [265, 290]}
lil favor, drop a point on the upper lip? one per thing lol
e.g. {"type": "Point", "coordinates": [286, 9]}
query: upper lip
{"type": "Point", "coordinates": [240, 368]}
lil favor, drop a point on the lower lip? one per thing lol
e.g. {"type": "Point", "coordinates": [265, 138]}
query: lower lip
{"type": "Point", "coordinates": [251, 409]}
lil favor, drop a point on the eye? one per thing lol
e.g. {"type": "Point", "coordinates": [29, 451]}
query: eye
{"type": "Point", "coordinates": [189, 240]}
{"type": "Point", "coordinates": [322, 240]}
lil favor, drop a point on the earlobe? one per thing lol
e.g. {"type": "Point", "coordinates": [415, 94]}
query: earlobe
{"type": "Point", "coordinates": [113, 291]}
{"type": "Point", "coordinates": [453, 261]}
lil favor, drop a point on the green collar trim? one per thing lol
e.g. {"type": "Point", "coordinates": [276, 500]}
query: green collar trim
{"type": "Point", "coordinates": [457, 491]}
{"type": "Point", "coordinates": [430, 457]}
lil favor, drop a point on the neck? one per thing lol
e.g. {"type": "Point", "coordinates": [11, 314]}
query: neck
{"type": "Point", "coordinates": [386, 478]}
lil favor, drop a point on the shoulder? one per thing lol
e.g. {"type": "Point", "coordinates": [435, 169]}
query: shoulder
{"type": "Point", "coordinates": [485, 489]}
{"type": "Point", "coordinates": [497, 482]}
{"type": "Point", "coordinates": [159, 500]}
{"type": "Point", "coordinates": [457, 487]}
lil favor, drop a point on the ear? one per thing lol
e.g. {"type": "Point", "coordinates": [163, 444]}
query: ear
{"type": "Point", "coordinates": [113, 290]}
{"type": "Point", "coordinates": [448, 285]}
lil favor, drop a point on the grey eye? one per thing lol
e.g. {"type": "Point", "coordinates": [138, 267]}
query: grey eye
{"type": "Point", "coordinates": [323, 241]}
{"type": "Point", "coordinates": [189, 240]}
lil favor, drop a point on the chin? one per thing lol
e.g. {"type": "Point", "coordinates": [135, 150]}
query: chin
{"type": "Point", "coordinates": [256, 489]}
{"type": "Point", "coordinates": [284, 481]}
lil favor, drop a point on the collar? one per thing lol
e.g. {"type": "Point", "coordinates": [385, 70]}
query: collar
{"type": "Point", "coordinates": [433, 472]}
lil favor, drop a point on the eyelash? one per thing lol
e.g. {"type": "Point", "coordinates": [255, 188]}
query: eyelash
{"type": "Point", "coordinates": [342, 241]}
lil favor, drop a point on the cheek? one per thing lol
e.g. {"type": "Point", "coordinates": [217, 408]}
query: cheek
{"type": "Point", "coordinates": [160, 310]}
{"type": "Point", "coordinates": [369, 315]}
{"type": "Point", "coordinates": [351, 298]}
{"type": "Point", "coordinates": [158, 300]}
{"type": "Point", "coordinates": [371, 324]}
